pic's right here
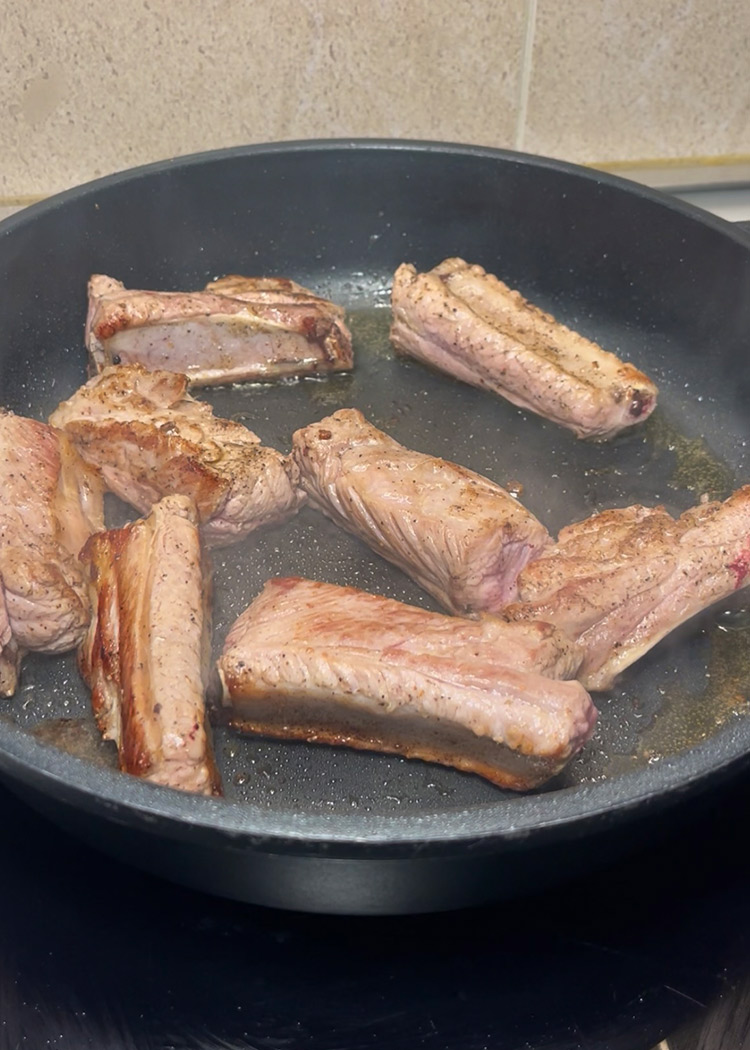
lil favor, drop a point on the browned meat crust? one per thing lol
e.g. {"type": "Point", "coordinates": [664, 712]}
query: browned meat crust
{"type": "Point", "coordinates": [335, 665]}
{"type": "Point", "coordinates": [51, 502]}
{"type": "Point", "coordinates": [464, 321]}
{"type": "Point", "coordinates": [238, 329]}
{"type": "Point", "coordinates": [620, 581]}
{"type": "Point", "coordinates": [149, 438]}
{"type": "Point", "coordinates": [145, 656]}
{"type": "Point", "coordinates": [459, 535]}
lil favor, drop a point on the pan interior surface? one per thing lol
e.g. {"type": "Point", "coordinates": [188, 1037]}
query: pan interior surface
{"type": "Point", "coordinates": [651, 280]}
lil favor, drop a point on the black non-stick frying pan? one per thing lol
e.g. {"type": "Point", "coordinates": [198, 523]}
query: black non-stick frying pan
{"type": "Point", "coordinates": [657, 281]}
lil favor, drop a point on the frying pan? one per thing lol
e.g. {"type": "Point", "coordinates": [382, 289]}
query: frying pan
{"type": "Point", "coordinates": [659, 282]}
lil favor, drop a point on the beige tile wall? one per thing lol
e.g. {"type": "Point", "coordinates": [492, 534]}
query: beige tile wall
{"type": "Point", "coordinates": [616, 80]}
{"type": "Point", "coordinates": [89, 89]}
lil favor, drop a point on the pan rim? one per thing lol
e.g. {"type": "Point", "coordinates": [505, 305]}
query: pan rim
{"type": "Point", "coordinates": [558, 812]}
{"type": "Point", "coordinates": [364, 144]}
{"type": "Point", "coordinates": [512, 819]}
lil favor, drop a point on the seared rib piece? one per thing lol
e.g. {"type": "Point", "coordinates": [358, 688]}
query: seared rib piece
{"type": "Point", "coordinates": [238, 329]}
{"type": "Point", "coordinates": [620, 581]}
{"type": "Point", "coordinates": [268, 290]}
{"type": "Point", "coordinates": [334, 665]}
{"type": "Point", "coordinates": [466, 322]}
{"type": "Point", "coordinates": [148, 438]}
{"type": "Point", "coordinates": [51, 503]}
{"type": "Point", "coordinates": [145, 656]}
{"type": "Point", "coordinates": [460, 536]}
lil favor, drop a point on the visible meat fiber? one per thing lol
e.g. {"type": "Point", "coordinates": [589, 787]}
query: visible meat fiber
{"type": "Point", "coordinates": [237, 329]}
{"type": "Point", "coordinates": [146, 654]}
{"type": "Point", "coordinates": [149, 438]}
{"type": "Point", "coordinates": [334, 665]}
{"type": "Point", "coordinates": [464, 321]}
{"type": "Point", "coordinates": [50, 504]}
{"type": "Point", "coordinates": [620, 581]}
{"type": "Point", "coordinates": [460, 536]}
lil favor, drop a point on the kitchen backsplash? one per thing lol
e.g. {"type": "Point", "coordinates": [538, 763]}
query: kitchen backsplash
{"type": "Point", "coordinates": [85, 91]}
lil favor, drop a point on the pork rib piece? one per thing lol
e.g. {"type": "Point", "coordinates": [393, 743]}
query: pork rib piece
{"type": "Point", "coordinates": [460, 536]}
{"type": "Point", "coordinates": [145, 657]}
{"type": "Point", "coordinates": [334, 665]}
{"type": "Point", "coordinates": [51, 503]}
{"type": "Point", "coordinates": [149, 438]}
{"type": "Point", "coordinates": [466, 322]}
{"type": "Point", "coordinates": [237, 329]}
{"type": "Point", "coordinates": [620, 581]}
{"type": "Point", "coordinates": [268, 290]}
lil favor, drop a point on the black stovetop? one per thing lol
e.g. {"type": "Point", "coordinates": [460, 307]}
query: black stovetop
{"type": "Point", "coordinates": [96, 955]}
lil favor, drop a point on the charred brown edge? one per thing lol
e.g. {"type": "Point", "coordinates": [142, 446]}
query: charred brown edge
{"type": "Point", "coordinates": [367, 743]}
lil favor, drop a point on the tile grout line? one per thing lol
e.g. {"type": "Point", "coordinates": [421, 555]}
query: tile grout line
{"type": "Point", "coordinates": [525, 78]}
